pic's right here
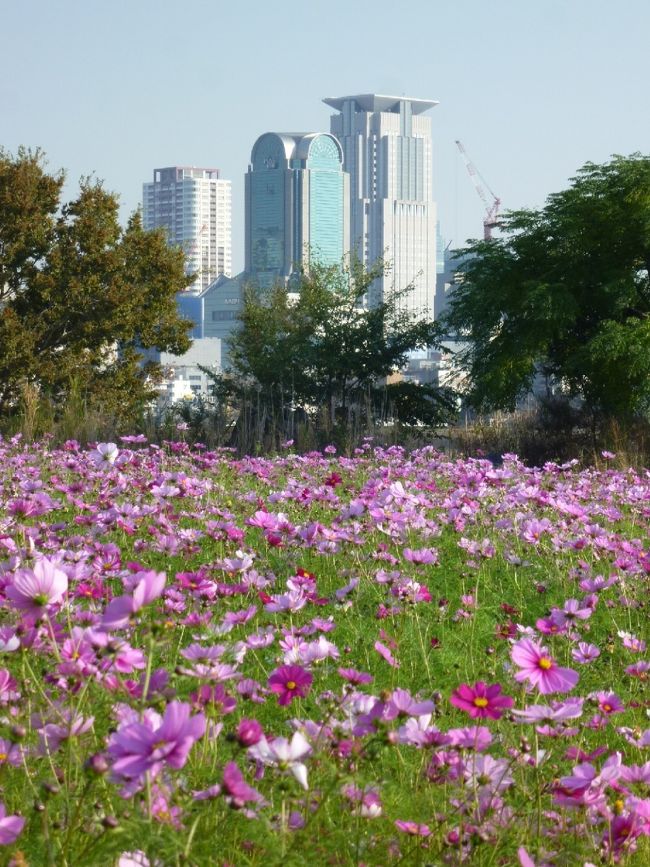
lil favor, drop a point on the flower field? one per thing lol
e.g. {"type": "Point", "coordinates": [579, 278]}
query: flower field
{"type": "Point", "coordinates": [394, 658]}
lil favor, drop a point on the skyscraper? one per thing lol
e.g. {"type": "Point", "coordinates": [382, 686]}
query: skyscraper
{"type": "Point", "coordinates": [387, 151]}
{"type": "Point", "coordinates": [297, 205]}
{"type": "Point", "coordinates": [195, 207]}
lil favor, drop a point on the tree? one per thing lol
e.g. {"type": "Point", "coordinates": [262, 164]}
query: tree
{"type": "Point", "coordinates": [317, 350]}
{"type": "Point", "coordinates": [566, 290]}
{"type": "Point", "coordinates": [79, 295]}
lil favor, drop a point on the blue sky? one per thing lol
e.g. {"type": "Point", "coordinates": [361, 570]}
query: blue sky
{"type": "Point", "coordinates": [534, 88]}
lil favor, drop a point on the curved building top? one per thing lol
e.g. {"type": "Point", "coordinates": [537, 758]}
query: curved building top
{"type": "Point", "coordinates": [280, 149]}
{"type": "Point", "coordinates": [380, 102]}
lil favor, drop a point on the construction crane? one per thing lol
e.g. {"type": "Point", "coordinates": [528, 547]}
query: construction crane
{"type": "Point", "coordinates": [491, 207]}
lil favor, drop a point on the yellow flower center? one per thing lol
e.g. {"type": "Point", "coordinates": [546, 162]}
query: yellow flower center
{"type": "Point", "coordinates": [545, 663]}
{"type": "Point", "coordinates": [607, 708]}
{"type": "Point", "coordinates": [480, 702]}
{"type": "Point", "coordinates": [3, 757]}
{"type": "Point", "coordinates": [291, 684]}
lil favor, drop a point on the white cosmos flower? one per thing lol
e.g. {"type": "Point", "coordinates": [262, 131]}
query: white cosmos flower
{"type": "Point", "coordinates": [104, 454]}
{"type": "Point", "coordinates": [284, 754]}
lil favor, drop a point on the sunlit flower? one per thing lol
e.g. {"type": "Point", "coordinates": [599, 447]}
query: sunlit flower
{"type": "Point", "coordinates": [539, 668]}
{"type": "Point", "coordinates": [105, 454]}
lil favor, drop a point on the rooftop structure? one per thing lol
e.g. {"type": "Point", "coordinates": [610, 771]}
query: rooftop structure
{"type": "Point", "coordinates": [387, 151]}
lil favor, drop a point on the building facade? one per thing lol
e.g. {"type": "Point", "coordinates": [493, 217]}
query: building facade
{"type": "Point", "coordinates": [387, 152]}
{"type": "Point", "coordinates": [297, 205]}
{"type": "Point", "coordinates": [194, 205]}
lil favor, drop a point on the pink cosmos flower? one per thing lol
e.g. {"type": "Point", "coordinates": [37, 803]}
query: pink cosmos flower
{"type": "Point", "coordinates": [539, 668]}
{"type": "Point", "coordinates": [402, 704]}
{"type": "Point", "coordinates": [585, 653]}
{"type": "Point", "coordinates": [10, 827]}
{"type": "Point", "coordinates": [571, 611]}
{"type": "Point", "coordinates": [35, 590]}
{"type": "Point", "coordinates": [586, 785]}
{"type": "Point", "coordinates": [10, 753]}
{"type": "Point", "coordinates": [8, 688]}
{"type": "Point", "coordinates": [413, 828]}
{"type": "Point", "coordinates": [609, 702]}
{"type": "Point", "coordinates": [425, 556]}
{"type": "Point", "coordinates": [488, 773]}
{"type": "Point", "coordinates": [248, 732]}
{"type": "Point", "coordinates": [235, 788]}
{"type": "Point", "coordinates": [524, 858]}
{"type": "Point", "coordinates": [481, 700]}
{"type": "Point", "coordinates": [355, 677]}
{"type": "Point", "coordinates": [476, 738]}
{"type": "Point", "coordinates": [119, 612]}
{"type": "Point", "coordinates": [365, 802]}
{"type": "Point", "coordinates": [289, 681]}
{"type": "Point", "coordinates": [418, 732]}
{"type": "Point", "coordinates": [141, 747]}
{"type": "Point", "coordinates": [385, 653]}
{"type": "Point", "coordinates": [560, 712]}
{"type": "Point", "coordinates": [636, 773]}
{"type": "Point", "coordinates": [637, 645]}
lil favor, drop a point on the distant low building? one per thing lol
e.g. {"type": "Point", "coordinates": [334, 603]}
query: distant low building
{"type": "Point", "coordinates": [183, 378]}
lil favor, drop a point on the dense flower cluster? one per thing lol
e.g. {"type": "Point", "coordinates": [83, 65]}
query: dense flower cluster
{"type": "Point", "coordinates": [402, 657]}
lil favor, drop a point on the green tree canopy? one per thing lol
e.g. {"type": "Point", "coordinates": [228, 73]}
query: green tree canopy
{"type": "Point", "coordinates": [79, 295]}
{"type": "Point", "coordinates": [318, 347]}
{"type": "Point", "coordinates": [565, 290]}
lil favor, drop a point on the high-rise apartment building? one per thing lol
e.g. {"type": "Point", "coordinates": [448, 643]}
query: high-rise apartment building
{"type": "Point", "coordinates": [297, 205]}
{"type": "Point", "coordinates": [387, 152]}
{"type": "Point", "coordinates": [195, 207]}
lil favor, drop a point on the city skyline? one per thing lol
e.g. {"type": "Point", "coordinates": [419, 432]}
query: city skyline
{"type": "Point", "coordinates": [533, 91]}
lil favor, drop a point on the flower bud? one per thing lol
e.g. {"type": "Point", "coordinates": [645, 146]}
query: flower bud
{"type": "Point", "coordinates": [248, 732]}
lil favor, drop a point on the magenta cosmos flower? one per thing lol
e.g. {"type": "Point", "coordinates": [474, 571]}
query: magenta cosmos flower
{"type": "Point", "coordinates": [288, 681]}
{"type": "Point", "coordinates": [539, 668]}
{"type": "Point", "coordinates": [481, 700]}
{"type": "Point", "coordinates": [35, 590]}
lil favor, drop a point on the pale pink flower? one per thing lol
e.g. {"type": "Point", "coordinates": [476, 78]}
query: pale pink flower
{"type": "Point", "coordinates": [35, 590]}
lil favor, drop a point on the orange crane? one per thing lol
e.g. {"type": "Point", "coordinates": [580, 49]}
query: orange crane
{"type": "Point", "coordinates": [491, 207]}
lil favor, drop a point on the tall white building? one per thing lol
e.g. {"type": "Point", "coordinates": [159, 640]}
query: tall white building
{"type": "Point", "coordinates": [195, 206]}
{"type": "Point", "coordinates": [388, 154]}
